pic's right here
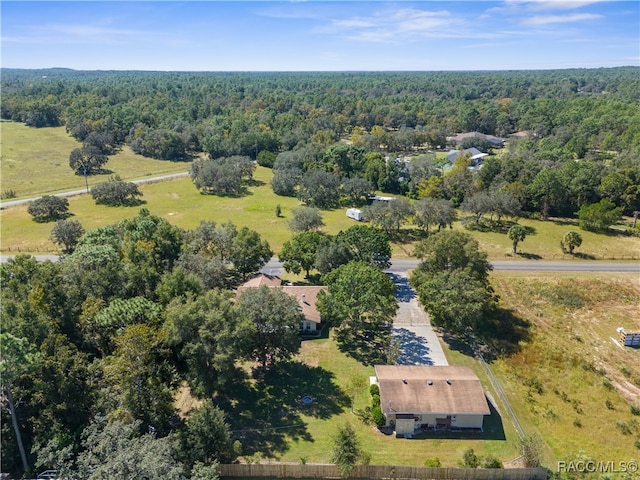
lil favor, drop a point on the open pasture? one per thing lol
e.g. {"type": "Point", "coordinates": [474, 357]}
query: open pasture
{"type": "Point", "coordinates": [35, 161]}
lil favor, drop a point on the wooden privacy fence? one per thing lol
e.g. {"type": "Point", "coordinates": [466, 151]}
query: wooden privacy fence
{"type": "Point", "coordinates": [299, 471]}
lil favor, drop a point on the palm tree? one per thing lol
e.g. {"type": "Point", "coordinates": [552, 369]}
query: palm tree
{"type": "Point", "coordinates": [517, 234]}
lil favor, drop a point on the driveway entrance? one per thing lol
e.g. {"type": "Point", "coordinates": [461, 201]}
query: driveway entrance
{"type": "Point", "coordinates": [419, 344]}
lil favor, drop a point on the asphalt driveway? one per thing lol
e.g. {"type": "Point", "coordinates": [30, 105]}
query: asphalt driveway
{"type": "Point", "coordinates": [419, 344]}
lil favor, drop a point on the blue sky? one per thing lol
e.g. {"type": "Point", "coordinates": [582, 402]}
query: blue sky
{"type": "Point", "coordinates": [320, 35]}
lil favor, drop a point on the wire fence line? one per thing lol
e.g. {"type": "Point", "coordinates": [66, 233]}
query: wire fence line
{"type": "Point", "coordinates": [498, 388]}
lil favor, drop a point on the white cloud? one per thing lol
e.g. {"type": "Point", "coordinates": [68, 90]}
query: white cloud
{"type": "Point", "coordinates": [552, 19]}
{"type": "Point", "coordinates": [552, 4]}
{"type": "Point", "coordinates": [391, 25]}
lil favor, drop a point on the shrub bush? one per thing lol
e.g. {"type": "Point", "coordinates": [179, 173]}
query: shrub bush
{"type": "Point", "coordinates": [433, 462]}
{"type": "Point", "coordinates": [375, 401]}
{"type": "Point", "coordinates": [374, 389]}
{"type": "Point", "coordinates": [491, 462]}
{"type": "Point", "coordinates": [8, 194]}
{"type": "Point", "coordinates": [378, 416]}
{"type": "Point", "coordinates": [470, 459]}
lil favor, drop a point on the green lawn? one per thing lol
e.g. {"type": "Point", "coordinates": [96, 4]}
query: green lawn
{"type": "Point", "coordinates": [27, 150]}
{"type": "Point", "coordinates": [316, 445]}
{"type": "Point", "coordinates": [180, 202]}
{"type": "Point", "coordinates": [569, 356]}
{"type": "Point", "coordinates": [35, 161]}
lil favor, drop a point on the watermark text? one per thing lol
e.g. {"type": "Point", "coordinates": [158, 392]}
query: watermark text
{"type": "Point", "coordinates": [592, 466]}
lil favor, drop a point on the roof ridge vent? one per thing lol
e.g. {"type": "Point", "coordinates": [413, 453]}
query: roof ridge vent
{"type": "Point", "coordinates": [404, 380]}
{"type": "Point", "coordinates": [448, 382]}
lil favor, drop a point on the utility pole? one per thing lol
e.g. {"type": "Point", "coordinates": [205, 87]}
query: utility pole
{"type": "Point", "coordinates": [86, 180]}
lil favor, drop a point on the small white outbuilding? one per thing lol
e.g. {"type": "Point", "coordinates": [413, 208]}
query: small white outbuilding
{"type": "Point", "coordinates": [355, 214]}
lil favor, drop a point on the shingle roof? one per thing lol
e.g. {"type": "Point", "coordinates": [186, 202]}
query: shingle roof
{"type": "Point", "coordinates": [262, 279]}
{"type": "Point", "coordinates": [489, 138]}
{"type": "Point", "coordinates": [306, 295]}
{"type": "Point", "coordinates": [429, 389]}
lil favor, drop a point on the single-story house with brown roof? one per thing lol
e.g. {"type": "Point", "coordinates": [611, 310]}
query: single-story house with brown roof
{"type": "Point", "coordinates": [419, 397]}
{"type": "Point", "coordinates": [306, 296]}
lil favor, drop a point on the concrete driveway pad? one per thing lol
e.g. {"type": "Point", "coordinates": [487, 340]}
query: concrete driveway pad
{"type": "Point", "coordinates": [419, 345]}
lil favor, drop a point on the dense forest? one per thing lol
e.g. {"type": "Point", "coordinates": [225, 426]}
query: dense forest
{"type": "Point", "coordinates": [96, 347]}
{"type": "Point", "coordinates": [353, 126]}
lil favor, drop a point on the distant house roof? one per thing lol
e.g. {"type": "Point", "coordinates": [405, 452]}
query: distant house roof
{"type": "Point", "coordinates": [476, 155]}
{"type": "Point", "coordinates": [522, 134]}
{"type": "Point", "coordinates": [489, 138]}
{"type": "Point", "coordinates": [306, 295]}
{"type": "Point", "coordinates": [428, 389]}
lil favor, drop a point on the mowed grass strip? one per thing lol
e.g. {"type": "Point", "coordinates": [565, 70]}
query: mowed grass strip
{"type": "Point", "coordinates": [571, 381]}
{"type": "Point", "coordinates": [35, 161]}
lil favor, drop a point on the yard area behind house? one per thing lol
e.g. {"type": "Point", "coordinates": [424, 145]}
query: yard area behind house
{"type": "Point", "coordinates": [387, 449]}
{"type": "Point", "coordinates": [568, 382]}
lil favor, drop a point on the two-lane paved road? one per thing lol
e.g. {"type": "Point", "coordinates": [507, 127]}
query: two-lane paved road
{"type": "Point", "coordinates": [274, 267]}
{"type": "Point", "coordinates": [73, 193]}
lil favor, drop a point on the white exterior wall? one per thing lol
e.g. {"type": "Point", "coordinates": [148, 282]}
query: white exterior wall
{"type": "Point", "coordinates": [404, 426]}
{"type": "Point", "coordinates": [391, 419]}
{"type": "Point", "coordinates": [355, 214]}
{"type": "Point", "coordinates": [467, 421]}
{"type": "Point", "coordinates": [428, 418]}
{"type": "Point", "coordinates": [308, 326]}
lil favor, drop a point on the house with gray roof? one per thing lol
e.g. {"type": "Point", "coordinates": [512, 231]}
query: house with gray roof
{"type": "Point", "coordinates": [493, 140]}
{"type": "Point", "coordinates": [476, 155]}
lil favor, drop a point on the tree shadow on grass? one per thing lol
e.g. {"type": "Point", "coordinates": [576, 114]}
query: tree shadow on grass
{"type": "Point", "coordinates": [503, 333]}
{"type": "Point", "coordinates": [500, 335]}
{"type": "Point", "coordinates": [407, 235]}
{"type": "Point", "coordinates": [457, 343]}
{"type": "Point", "coordinates": [529, 256]}
{"type": "Point", "coordinates": [583, 256]}
{"type": "Point", "coordinates": [564, 222]}
{"type": "Point", "coordinates": [254, 183]}
{"type": "Point", "coordinates": [268, 413]}
{"type": "Point", "coordinates": [365, 346]}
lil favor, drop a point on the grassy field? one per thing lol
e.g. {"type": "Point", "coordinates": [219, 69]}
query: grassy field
{"type": "Point", "coordinates": [571, 381]}
{"type": "Point", "coordinates": [27, 150]}
{"type": "Point", "coordinates": [35, 161]}
{"type": "Point", "coordinates": [180, 203]}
